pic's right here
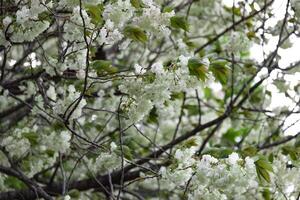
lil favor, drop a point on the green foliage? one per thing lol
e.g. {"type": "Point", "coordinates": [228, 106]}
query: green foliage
{"type": "Point", "coordinates": [32, 137]}
{"type": "Point", "coordinates": [95, 12]}
{"type": "Point", "coordinates": [249, 151]}
{"type": "Point", "coordinates": [263, 167]}
{"type": "Point", "coordinates": [192, 109]}
{"type": "Point", "coordinates": [293, 152]}
{"type": "Point", "coordinates": [153, 116]}
{"type": "Point", "coordinates": [220, 71]}
{"type": "Point", "coordinates": [257, 96]}
{"type": "Point", "coordinates": [190, 143]}
{"type": "Point", "coordinates": [179, 22]}
{"type": "Point", "coordinates": [135, 33]}
{"type": "Point", "coordinates": [197, 68]}
{"type": "Point", "coordinates": [221, 152]}
{"type": "Point", "coordinates": [127, 152]}
{"type": "Point", "coordinates": [235, 10]}
{"type": "Point", "coordinates": [137, 4]}
{"type": "Point", "coordinates": [13, 182]}
{"type": "Point", "coordinates": [103, 67]}
{"type": "Point", "coordinates": [266, 194]}
{"type": "Point", "coordinates": [207, 93]}
{"type": "Point", "coordinates": [232, 135]}
{"type": "Point", "coordinates": [251, 35]}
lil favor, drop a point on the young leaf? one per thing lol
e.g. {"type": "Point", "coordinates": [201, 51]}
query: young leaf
{"type": "Point", "coordinates": [291, 151]}
{"type": "Point", "coordinates": [32, 137]}
{"type": "Point", "coordinates": [249, 151]}
{"type": "Point", "coordinates": [103, 67]}
{"type": "Point", "coordinates": [137, 4]}
{"type": "Point", "coordinates": [179, 22]}
{"type": "Point", "coordinates": [153, 116]}
{"type": "Point", "coordinates": [263, 163]}
{"type": "Point", "coordinates": [197, 68]}
{"type": "Point", "coordinates": [220, 71]}
{"type": "Point", "coordinates": [135, 33]}
{"type": "Point", "coordinates": [127, 152]}
{"type": "Point", "coordinates": [95, 12]}
{"type": "Point", "coordinates": [232, 134]}
{"type": "Point", "coordinates": [263, 167]}
{"type": "Point", "coordinates": [263, 174]}
{"type": "Point", "coordinates": [218, 152]}
{"type": "Point", "coordinates": [266, 194]}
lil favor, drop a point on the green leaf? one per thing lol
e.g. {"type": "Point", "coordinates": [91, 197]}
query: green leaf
{"type": "Point", "coordinates": [291, 151]}
{"type": "Point", "coordinates": [249, 151]}
{"type": "Point", "coordinates": [50, 152]}
{"type": "Point", "coordinates": [153, 116]}
{"type": "Point", "coordinates": [179, 22]}
{"type": "Point", "coordinates": [235, 10]}
{"type": "Point", "coordinates": [192, 109]}
{"type": "Point", "coordinates": [189, 43]}
{"type": "Point", "coordinates": [263, 167]}
{"type": "Point", "coordinates": [265, 164]}
{"type": "Point", "coordinates": [103, 67]}
{"type": "Point", "coordinates": [251, 35]}
{"type": "Point", "coordinates": [218, 152]}
{"type": "Point", "coordinates": [197, 68]}
{"type": "Point", "coordinates": [127, 152]}
{"type": "Point", "coordinates": [137, 4]}
{"type": "Point", "coordinates": [220, 71]}
{"type": "Point", "coordinates": [297, 142]}
{"type": "Point", "coordinates": [256, 96]}
{"type": "Point", "coordinates": [95, 12]}
{"type": "Point", "coordinates": [232, 134]}
{"type": "Point", "coordinates": [271, 157]}
{"type": "Point", "coordinates": [135, 33]}
{"type": "Point", "coordinates": [263, 174]}
{"type": "Point", "coordinates": [12, 182]}
{"type": "Point", "coordinates": [32, 137]}
{"type": "Point", "coordinates": [167, 9]}
{"type": "Point", "coordinates": [177, 95]}
{"type": "Point", "coordinates": [190, 143]}
{"type": "Point", "coordinates": [266, 194]}
{"type": "Point", "coordinates": [207, 93]}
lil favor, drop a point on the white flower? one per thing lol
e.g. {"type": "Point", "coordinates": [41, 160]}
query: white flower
{"type": "Point", "coordinates": [78, 111]}
{"type": "Point", "coordinates": [233, 158]}
{"type": "Point", "coordinates": [206, 61]}
{"type": "Point", "coordinates": [81, 74]}
{"type": "Point", "coordinates": [51, 93]}
{"type": "Point", "coordinates": [107, 162]}
{"type": "Point", "coordinates": [113, 146]}
{"type": "Point", "coordinates": [23, 15]}
{"type": "Point", "coordinates": [183, 60]}
{"type": "Point", "coordinates": [67, 197]}
{"type": "Point", "coordinates": [139, 69]}
{"type": "Point", "coordinates": [71, 89]}
{"type": "Point", "coordinates": [148, 2]}
{"type": "Point", "coordinates": [16, 146]}
{"type": "Point", "coordinates": [238, 42]}
{"type": "Point", "coordinates": [109, 24]}
{"type": "Point", "coordinates": [124, 44]}
{"type": "Point", "coordinates": [7, 20]}
{"type": "Point", "coordinates": [157, 68]}
{"type": "Point", "coordinates": [209, 159]}
{"type": "Point", "coordinates": [114, 36]}
{"type": "Point", "coordinates": [249, 163]}
{"type": "Point", "coordinates": [118, 12]}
